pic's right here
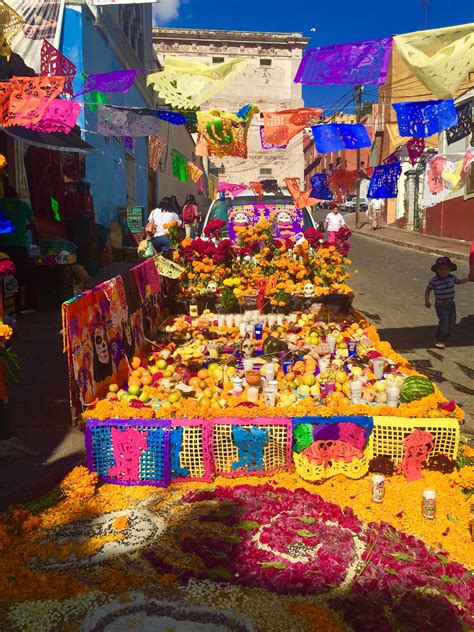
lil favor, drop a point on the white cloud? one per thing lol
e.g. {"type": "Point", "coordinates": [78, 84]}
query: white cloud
{"type": "Point", "coordinates": [166, 11]}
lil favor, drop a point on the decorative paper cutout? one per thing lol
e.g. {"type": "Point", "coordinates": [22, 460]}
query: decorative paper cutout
{"type": "Point", "coordinates": [127, 447]}
{"type": "Point", "coordinates": [265, 145]}
{"type": "Point", "coordinates": [223, 133]}
{"type": "Point", "coordinates": [55, 209]}
{"type": "Point", "coordinates": [280, 127]}
{"type": "Point", "coordinates": [60, 116]}
{"type": "Point", "coordinates": [115, 81]}
{"type": "Point", "coordinates": [322, 452]}
{"type": "Point", "coordinates": [193, 171]}
{"type": "Point", "coordinates": [300, 198]}
{"type": "Point", "coordinates": [271, 186]}
{"type": "Point", "coordinates": [257, 187]}
{"type": "Point", "coordinates": [444, 174]}
{"type": "Point", "coordinates": [321, 190]}
{"type": "Point", "coordinates": [393, 157]}
{"type": "Point", "coordinates": [115, 122]}
{"type": "Point", "coordinates": [178, 163]}
{"type": "Point", "coordinates": [418, 445]}
{"type": "Point", "coordinates": [10, 25]}
{"type": "Point", "coordinates": [421, 119]}
{"type": "Point", "coordinates": [233, 189]}
{"type": "Point", "coordinates": [440, 58]}
{"type": "Point", "coordinates": [130, 143]}
{"type": "Point", "coordinates": [30, 97]}
{"type": "Point", "coordinates": [384, 182]}
{"type": "Point", "coordinates": [5, 92]}
{"type": "Point", "coordinates": [336, 136]}
{"type": "Point", "coordinates": [212, 182]}
{"type": "Point", "coordinates": [188, 84]}
{"type": "Point", "coordinates": [250, 443]}
{"type": "Point", "coordinates": [55, 64]}
{"type": "Point", "coordinates": [415, 148]}
{"type": "Point", "coordinates": [155, 149]}
{"type": "Point", "coordinates": [342, 183]}
{"type": "Point", "coordinates": [464, 125]}
{"type": "Point", "coordinates": [347, 64]}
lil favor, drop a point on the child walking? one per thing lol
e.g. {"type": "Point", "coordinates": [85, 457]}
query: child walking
{"type": "Point", "coordinates": [443, 287]}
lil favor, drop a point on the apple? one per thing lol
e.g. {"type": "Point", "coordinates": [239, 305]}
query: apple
{"type": "Point", "coordinates": [114, 388]}
{"type": "Point", "coordinates": [161, 364]}
{"type": "Point", "coordinates": [134, 390]}
{"type": "Point", "coordinates": [309, 379]}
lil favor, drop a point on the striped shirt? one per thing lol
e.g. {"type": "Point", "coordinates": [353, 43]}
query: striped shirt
{"type": "Point", "coordinates": [443, 288]}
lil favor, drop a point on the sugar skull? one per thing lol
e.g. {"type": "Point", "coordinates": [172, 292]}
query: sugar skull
{"type": "Point", "coordinates": [240, 218]}
{"type": "Point", "coordinates": [248, 348]}
{"type": "Point", "coordinates": [211, 287]}
{"type": "Point", "coordinates": [308, 290]}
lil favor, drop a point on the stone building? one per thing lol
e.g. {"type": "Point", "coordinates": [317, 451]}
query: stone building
{"type": "Point", "coordinates": [267, 81]}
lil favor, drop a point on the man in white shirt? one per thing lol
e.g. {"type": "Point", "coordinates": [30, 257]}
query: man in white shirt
{"type": "Point", "coordinates": [375, 211]}
{"type": "Point", "coordinates": [156, 225]}
{"type": "Point", "coordinates": [333, 222]}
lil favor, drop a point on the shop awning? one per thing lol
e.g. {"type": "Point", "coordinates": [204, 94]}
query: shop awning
{"type": "Point", "coordinates": [56, 142]}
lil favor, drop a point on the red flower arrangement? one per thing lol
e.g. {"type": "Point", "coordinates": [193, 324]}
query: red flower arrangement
{"type": "Point", "coordinates": [214, 227]}
{"type": "Point", "coordinates": [313, 237]}
{"type": "Point", "coordinates": [6, 267]}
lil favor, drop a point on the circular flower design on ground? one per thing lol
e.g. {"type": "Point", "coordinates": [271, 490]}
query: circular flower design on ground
{"type": "Point", "coordinates": [274, 538]}
{"type": "Point", "coordinates": [142, 614]}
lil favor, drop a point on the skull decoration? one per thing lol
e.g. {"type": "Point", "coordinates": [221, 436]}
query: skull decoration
{"type": "Point", "coordinates": [248, 348]}
{"type": "Point", "coordinates": [101, 345]}
{"type": "Point", "coordinates": [211, 287]}
{"type": "Point", "coordinates": [308, 290]}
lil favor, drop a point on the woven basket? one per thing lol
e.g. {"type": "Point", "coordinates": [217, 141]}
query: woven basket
{"type": "Point", "coordinates": [167, 268]}
{"type": "Point", "coordinates": [312, 472]}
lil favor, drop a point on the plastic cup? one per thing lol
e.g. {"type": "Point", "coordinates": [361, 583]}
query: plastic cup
{"type": "Point", "coordinates": [248, 364]}
{"type": "Point", "coordinates": [378, 366]}
{"type": "Point", "coordinates": [220, 320]}
{"type": "Point", "coordinates": [355, 388]}
{"type": "Point", "coordinates": [269, 371]}
{"type": "Point", "coordinates": [323, 364]}
{"type": "Point", "coordinates": [229, 320]}
{"type": "Point", "coordinates": [331, 340]}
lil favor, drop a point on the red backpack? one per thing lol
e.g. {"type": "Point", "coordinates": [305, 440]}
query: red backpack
{"type": "Point", "coordinates": [189, 213]}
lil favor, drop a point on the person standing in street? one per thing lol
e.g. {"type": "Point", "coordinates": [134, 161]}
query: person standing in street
{"type": "Point", "coordinates": [443, 284]}
{"type": "Point", "coordinates": [333, 222]}
{"type": "Point", "coordinates": [190, 215]}
{"type": "Point", "coordinates": [175, 207]}
{"type": "Point", "coordinates": [155, 229]}
{"type": "Point", "coordinates": [375, 211]}
{"type": "Point", "coordinates": [14, 244]}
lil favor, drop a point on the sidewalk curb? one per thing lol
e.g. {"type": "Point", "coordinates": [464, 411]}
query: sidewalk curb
{"type": "Point", "coordinates": [419, 247]}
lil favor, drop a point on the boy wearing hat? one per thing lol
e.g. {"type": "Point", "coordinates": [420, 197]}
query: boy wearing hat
{"type": "Point", "coordinates": [443, 287]}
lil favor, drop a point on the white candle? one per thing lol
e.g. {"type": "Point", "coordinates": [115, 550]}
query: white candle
{"type": "Point", "coordinates": [355, 388]}
{"type": "Point", "coordinates": [252, 394]}
{"type": "Point", "coordinates": [237, 319]}
{"type": "Point", "coordinates": [243, 329]}
{"type": "Point", "coordinates": [220, 320]}
{"type": "Point", "coordinates": [269, 371]}
{"type": "Point", "coordinates": [378, 365]}
{"type": "Point", "coordinates": [323, 364]}
{"type": "Point", "coordinates": [229, 320]}
{"type": "Point", "coordinates": [331, 340]}
{"type": "Point", "coordinates": [280, 319]}
{"type": "Point", "coordinates": [393, 394]}
{"type": "Point", "coordinates": [271, 320]}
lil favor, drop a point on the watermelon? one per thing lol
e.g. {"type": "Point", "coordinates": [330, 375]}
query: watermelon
{"type": "Point", "coordinates": [414, 388]}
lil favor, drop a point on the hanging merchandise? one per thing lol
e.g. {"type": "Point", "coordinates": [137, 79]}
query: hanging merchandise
{"type": "Point", "coordinates": [444, 174]}
{"type": "Point", "coordinates": [223, 133]}
{"type": "Point", "coordinates": [464, 125]}
{"type": "Point", "coordinates": [280, 127]}
{"type": "Point", "coordinates": [60, 116]}
{"type": "Point", "coordinates": [178, 165]}
{"type": "Point", "coordinates": [155, 149]}
{"type": "Point", "coordinates": [321, 190]}
{"type": "Point", "coordinates": [358, 63]}
{"type": "Point", "coordinates": [384, 181]}
{"type": "Point", "coordinates": [193, 171]}
{"type": "Point", "coordinates": [115, 81]}
{"type": "Point", "coordinates": [421, 119]}
{"type": "Point", "coordinates": [29, 99]}
{"type": "Point", "coordinates": [187, 84]}
{"type": "Point", "coordinates": [335, 136]}
{"type": "Point", "coordinates": [94, 98]}
{"type": "Point", "coordinates": [5, 92]}
{"type": "Point", "coordinates": [115, 122]}
{"type": "Point", "coordinates": [265, 145]}
{"type": "Point", "coordinates": [342, 183]}
{"type": "Point", "coordinates": [10, 25]}
{"type": "Point", "coordinates": [229, 187]}
{"type": "Point", "coordinates": [55, 64]}
{"type": "Point", "coordinates": [415, 148]}
{"type": "Point", "coordinates": [300, 198]}
{"type": "Point", "coordinates": [440, 58]}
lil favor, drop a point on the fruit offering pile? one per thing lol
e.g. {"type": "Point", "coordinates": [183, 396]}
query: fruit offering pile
{"type": "Point", "coordinates": [247, 365]}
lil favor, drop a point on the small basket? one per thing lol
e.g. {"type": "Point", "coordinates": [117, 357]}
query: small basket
{"type": "Point", "coordinates": [167, 268]}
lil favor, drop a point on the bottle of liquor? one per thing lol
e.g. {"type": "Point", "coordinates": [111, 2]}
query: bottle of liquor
{"type": "Point", "coordinates": [193, 308]}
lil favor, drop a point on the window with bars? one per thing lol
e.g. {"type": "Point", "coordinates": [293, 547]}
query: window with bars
{"type": "Point", "coordinates": [265, 171]}
{"type": "Point", "coordinates": [218, 60]}
{"type": "Point", "coordinates": [130, 178]}
{"type": "Point", "coordinates": [265, 62]}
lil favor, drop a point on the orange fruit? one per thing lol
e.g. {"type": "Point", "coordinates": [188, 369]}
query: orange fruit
{"type": "Point", "coordinates": [203, 374]}
{"type": "Point", "coordinates": [134, 381]}
{"type": "Point", "coordinates": [135, 362]}
{"type": "Point", "coordinates": [114, 388]}
{"type": "Point", "coordinates": [146, 378]}
{"type": "Point", "coordinates": [194, 382]}
{"type": "Point", "coordinates": [111, 395]}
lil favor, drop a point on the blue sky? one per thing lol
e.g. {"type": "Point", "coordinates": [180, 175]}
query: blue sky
{"type": "Point", "coordinates": [335, 22]}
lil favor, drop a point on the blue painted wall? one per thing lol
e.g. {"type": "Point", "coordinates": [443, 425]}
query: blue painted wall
{"type": "Point", "coordinates": [86, 46]}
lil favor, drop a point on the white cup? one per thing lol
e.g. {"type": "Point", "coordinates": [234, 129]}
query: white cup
{"type": "Point", "coordinates": [331, 340]}
{"type": "Point", "coordinates": [378, 366]}
{"type": "Point", "coordinates": [323, 364]}
{"type": "Point", "coordinates": [229, 320]}
{"type": "Point", "coordinates": [393, 395]}
{"type": "Point", "coordinates": [220, 320]}
{"type": "Point", "coordinates": [237, 319]}
{"type": "Point", "coordinates": [269, 371]}
{"type": "Point", "coordinates": [243, 329]}
{"type": "Point", "coordinates": [280, 319]}
{"type": "Point", "coordinates": [248, 364]}
{"type": "Point", "coordinates": [355, 388]}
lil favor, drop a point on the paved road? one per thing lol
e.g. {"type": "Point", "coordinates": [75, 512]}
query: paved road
{"type": "Point", "coordinates": [389, 283]}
